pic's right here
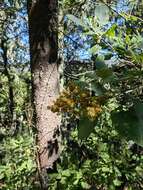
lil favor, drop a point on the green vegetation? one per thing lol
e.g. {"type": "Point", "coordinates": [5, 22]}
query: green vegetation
{"type": "Point", "coordinates": [101, 104]}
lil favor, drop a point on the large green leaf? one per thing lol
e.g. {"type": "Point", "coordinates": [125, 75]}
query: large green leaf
{"type": "Point", "coordinates": [130, 123]}
{"type": "Point", "coordinates": [85, 127]}
{"type": "Point", "coordinates": [102, 13]}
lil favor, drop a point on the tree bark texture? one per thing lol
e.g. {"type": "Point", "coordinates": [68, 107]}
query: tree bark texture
{"type": "Point", "coordinates": [43, 23]}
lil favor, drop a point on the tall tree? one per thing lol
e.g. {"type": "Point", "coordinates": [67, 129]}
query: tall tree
{"type": "Point", "coordinates": [43, 21]}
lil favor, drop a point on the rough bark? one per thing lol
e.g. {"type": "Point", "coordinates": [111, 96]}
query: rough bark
{"type": "Point", "coordinates": [61, 45]}
{"type": "Point", "coordinates": [43, 49]}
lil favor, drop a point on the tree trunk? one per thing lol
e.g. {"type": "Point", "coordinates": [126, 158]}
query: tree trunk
{"type": "Point", "coordinates": [43, 22]}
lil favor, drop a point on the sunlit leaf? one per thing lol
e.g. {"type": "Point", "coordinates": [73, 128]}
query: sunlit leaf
{"type": "Point", "coordinates": [111, 31]}
{"type": "Point", "coordinates": [85, 185]}
{"type": "Point", "coordinates": [95, 49]}
{"type": "Point", "coordinates": [102, 13]}
{"type": "Point", "coordinates": [76, 20]}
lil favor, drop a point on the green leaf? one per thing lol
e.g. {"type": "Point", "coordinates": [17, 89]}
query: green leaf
{"type": "Point", "coordinates": [63, 180]}
{"type": "Point", "coordinates": [66, 173]}
{"type": "Point", "coordinates": [2, 171]}
{"type": "Point", "coordinates": [102, 69]}
{"type": "Point", "coordinates": [102, 14]}
{"type": "Point", "coordinates": [111, 31]}
{"type": "Point", "coordinates": [130, 123]}
{"type": "Point", "coordinates": [117, 182]}
{"type": "Point", "coordinates": [104, 73]}
{"type": "Point", "coordinates": [97, 88]}
{"type": "Point", "coordinates": [108, 56]}
{"type": "Point", "coordinates": [105, 169]}
{"type": "Point", "coordinates": [85, 127]}
{"type": "Point", "coordinates": [85, 185]}
{"type": "Point", "coordinates": [100, 63]}
{"type": "Point", "coordinates": [76, 20]}
{"type": "Point", "coordinates": [95, 49]}
{"type": "Point", "coordinates": [1, 176]}
{"type": "Point", "coordinates": [76, 182]}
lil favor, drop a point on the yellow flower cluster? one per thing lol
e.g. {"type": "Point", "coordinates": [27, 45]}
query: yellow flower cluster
{"type": "Point", "coordinates": [93, 112]}
{"type": "Point", "coordinates": [78, 102]}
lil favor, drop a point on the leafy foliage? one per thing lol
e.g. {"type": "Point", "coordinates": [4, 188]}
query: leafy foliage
{"type": "Point", "coordinates": [102, 161]}
{"type": "Point", "coordinates": [17, 151]}
{"type": "Point", "coordinates": [108, 36]}
{"type": "Point", "coordinates": [17, 141]}
{"type": "Point", "coordinates": [17, 165]}
{"type": "Point", "coordinates": [102, 108]}
{"type": "Point", "coordinates": [96, 153]}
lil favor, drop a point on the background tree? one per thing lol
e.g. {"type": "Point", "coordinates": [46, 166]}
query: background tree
{"type": "Point", "coordinates": [17, 152]}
